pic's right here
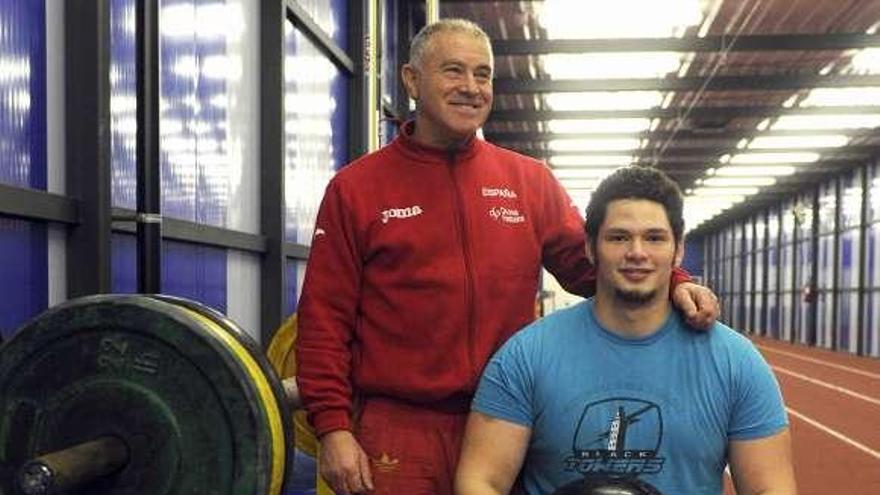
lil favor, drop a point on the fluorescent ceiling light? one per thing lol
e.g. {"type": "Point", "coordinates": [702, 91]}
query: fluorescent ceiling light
{"type": "Point", "coordinates": [696, 212]}
{"type": "Point", "coordinates": [599, 125]}
{"type": "Point", "coordinates": [866, 61]}
{"type": "Point", "coordinates": [588, 160]}
{"type": "Point", "coordinates": [845, 121]}
{"type": "Point", "coordinates": [579, 183]}
{"type": "Point", "coordinates": [794, 142]}
{"type": "Point", "coordinates": [623, 144]}
{"type": "Point", "coordinates": [583, 173]}
{"type": "Point", "coordinates": [713, 202]}
{"type": "Point", "coordinates": [739, 181]}
{"type": "Point", "coordinates": [610, 65]}
{"type": "Point", "coordinates": [619, 19]}
{"type": "Point", "coordinates": [830, 97]}
{"type": "Point", "coordinates": [760, 158]}
{"type": "Point", "coordinates": [725, 191]}
{"type": "Point", "coordinates": [751, 171]}
{"type": "Point", "coordinates": [604, 100]}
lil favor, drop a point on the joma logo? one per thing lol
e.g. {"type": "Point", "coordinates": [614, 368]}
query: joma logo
{"type": "Point", "coordinates": [407, 212]}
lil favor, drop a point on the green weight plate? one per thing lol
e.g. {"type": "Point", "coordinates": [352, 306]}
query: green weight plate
{"type": "Point", "coordinates": [179, 392]}
{"type": "Point", "coordinates": [265, 367]}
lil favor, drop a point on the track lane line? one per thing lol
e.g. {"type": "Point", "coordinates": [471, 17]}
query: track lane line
{"type": "Point", "coordinates": [831, 386]}
{"type": "Point", "coordinates": [857, 371]}
{"type": "Point", "coordinates": [834, 433]}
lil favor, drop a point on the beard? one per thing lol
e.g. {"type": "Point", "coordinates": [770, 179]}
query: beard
{"type": "Point", "coordinates": [634, 297]}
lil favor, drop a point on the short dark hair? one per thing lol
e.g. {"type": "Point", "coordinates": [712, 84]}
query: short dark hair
{"type": "Point", "coordinates": [635, 182]}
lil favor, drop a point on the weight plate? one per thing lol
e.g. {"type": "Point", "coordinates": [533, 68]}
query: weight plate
{"type": "Point", "coordinates": [283, 359]}
{"type": "Point", "coordinates": [177, 389]}
{"type": "Point", "coordinates": [282, 355]}
{"type": "Point", "coordinates": [608, 485]}
{"type": "Point", "coordinates": [266, 371]}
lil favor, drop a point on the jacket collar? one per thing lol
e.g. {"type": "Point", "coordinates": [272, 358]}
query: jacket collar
{"type": "Point", "coordinates": [429, 154]}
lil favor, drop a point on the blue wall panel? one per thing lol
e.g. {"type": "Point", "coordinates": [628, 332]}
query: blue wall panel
{"type": "Point", "coordinates": [23, 94]}
{"type": "Point", "coordinates": [290, 297]}
{"type": "Point", "coordinates": [24, 269]}
{"type": "Point", "coordinates": [873, 260]}
{"type": "Point", "coordinates": [123, 263]}
{"type": "Point", "coordinates": [874, 193]}
{"type": "Point", "coordinates": [123, 106]}
{"type": "Point", "coordinates": [805, 268]}
{"type": "Point", "coordinates": [693, 257]}
{"type": "Point", "coordinates": [194, 69]}
{"type": "Point", "coordinates": [872, 323]}
{"type": "Point", "coordinates": [316, 109]}
{"type": "Point", "coordinates": [772, 311]}
{"type": "Point", "coordinates": [23, 244]}
{"type": "Point", "coordinates": [189, 270]}
{"type": "Point", "coordinates": [390, 68]}
{"type": "Point", "coordinates": [195, 272]}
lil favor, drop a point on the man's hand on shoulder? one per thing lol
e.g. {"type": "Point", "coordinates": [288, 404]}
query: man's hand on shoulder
{"type": "Point", "coordinates": [698, 304]}
{"type": "Point", "coordinates": [343, 463]}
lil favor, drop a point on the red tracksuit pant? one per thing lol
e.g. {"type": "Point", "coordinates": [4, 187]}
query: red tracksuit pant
{"type": "Point", "coordinates": [413, 450]}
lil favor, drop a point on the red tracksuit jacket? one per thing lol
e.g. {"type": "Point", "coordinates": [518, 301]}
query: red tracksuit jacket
{"type": "Point", "coordinates": [423, 263]}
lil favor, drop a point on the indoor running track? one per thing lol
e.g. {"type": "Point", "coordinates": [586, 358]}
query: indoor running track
{"type": "Point", "coordinates": [833, 402]}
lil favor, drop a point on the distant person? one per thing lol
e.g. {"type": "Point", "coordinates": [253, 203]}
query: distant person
{"type": "Point", "coordinates": [426, 258]}
{"type": "Point", "coordinates": [615, 395]}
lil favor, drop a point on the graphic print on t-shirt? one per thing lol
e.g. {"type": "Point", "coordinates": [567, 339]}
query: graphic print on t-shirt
{"type": "Point", "coordinates": [617, 436]}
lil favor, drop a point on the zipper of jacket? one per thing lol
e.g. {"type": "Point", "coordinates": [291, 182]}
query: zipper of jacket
{"type": "Point", "coordinates": [468, 267]}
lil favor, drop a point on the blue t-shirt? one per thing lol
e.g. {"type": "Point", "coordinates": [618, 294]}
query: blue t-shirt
{"type": "Point", "coordinates": [662, 408]}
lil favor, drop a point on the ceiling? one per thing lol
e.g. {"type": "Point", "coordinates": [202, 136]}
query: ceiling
{"type": "Point", "coordinates": [786, 90]}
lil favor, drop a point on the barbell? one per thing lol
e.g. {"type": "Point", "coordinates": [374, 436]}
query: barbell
{"type": "Point", "coordinates": [133, 394]}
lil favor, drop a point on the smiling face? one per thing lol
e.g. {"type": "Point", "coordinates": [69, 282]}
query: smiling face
{"type": "Point", "coordinates": [634, 252]}
{"type": "Point", "coordinates": [452, 85]}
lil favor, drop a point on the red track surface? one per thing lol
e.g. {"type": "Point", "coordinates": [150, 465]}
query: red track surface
{"type": "Point", "coordinates": [833, 401]}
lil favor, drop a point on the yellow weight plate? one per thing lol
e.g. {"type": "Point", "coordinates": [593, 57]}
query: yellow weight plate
{"type": "Point", "coordinates": [283, 358]}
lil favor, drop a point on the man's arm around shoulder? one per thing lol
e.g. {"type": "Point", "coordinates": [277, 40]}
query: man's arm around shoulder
{"type": "Point", "coordinates": [492, 455]}
{"type": "Point", "coordinates": [763, 466]}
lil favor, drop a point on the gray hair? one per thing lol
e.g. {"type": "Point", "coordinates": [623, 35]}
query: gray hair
{"type": "Point", "coordinates": [420, 41]}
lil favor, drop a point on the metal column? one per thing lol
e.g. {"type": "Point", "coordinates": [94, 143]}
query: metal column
{"type": "Point", "coordinates": [835, 284]}
{"type": "Point", "coordinates": [149, 219]}
{"type": "Point", "coordinates": [87, 143]}
{"type": "Point", "coordinates": [812, 331]}
{"type": "Point", "coordinates": [862, 327]}
{"type": "Point", "coordinates": [273, 270]}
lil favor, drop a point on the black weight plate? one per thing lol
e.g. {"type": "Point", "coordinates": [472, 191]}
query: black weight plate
{"type": "Point", "coordinates": [177, 390]}
{"type": "Point", "coordinates": [608, 485]}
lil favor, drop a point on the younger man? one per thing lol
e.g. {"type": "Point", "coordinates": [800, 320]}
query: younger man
{"type": "Point", "coordinates": [617, 388]}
